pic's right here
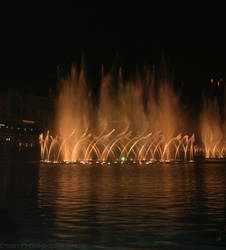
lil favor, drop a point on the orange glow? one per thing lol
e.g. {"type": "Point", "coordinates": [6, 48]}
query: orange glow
{"type": "Point", "coordinates": [125, 126]}
{"type": "Point", "coordinates": [211, 130]}
{"type": "Point", "coordinates": [123, 129]}
{"type": "Point", "coordinates": [28, 121]}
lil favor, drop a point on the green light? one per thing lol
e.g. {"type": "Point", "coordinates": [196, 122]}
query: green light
{"type": "Point", "coordinates": [123, 158]}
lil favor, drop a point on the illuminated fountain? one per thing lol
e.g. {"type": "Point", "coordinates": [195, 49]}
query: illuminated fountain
{"type": "Point", "coordinates": [212, 130]}
{"type": "Point", "coordinates": [114, 148]}
{"type": "Point", "coordinates": [134, 121]}
{"type": "Point", "coordinates": [138, 120]}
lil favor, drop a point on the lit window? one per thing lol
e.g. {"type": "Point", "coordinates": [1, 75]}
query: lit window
{"type": "Point", "coordinates": [28, 121]}
{"type": "Point", "coordinates": [20, 144]}
{"type": "Point", "coordinates": [7, 138]}
{"type": "Point", "coordinates": [26, 144]}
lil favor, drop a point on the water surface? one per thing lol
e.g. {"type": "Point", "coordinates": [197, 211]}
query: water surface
{"type": "Point", "coordinates": [159, 206]}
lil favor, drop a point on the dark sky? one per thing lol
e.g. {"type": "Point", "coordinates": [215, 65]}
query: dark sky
{"type": "Point", "coordinates": [35, 43]}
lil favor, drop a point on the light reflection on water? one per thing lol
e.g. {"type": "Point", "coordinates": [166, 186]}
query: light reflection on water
{"type": "Point", "coordinates": [175, 206]}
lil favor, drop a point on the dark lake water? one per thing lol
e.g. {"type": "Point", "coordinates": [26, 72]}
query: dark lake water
{"type": "Point", "coordinates": [159, 206]}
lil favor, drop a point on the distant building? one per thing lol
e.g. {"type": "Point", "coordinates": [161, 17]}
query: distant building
{"type": "Point", "coordinates": [22, 118]}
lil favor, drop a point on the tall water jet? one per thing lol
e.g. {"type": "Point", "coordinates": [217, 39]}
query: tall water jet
{"type": "Point", "coordinates": [73, 113]}
{"type": "Point", "coordinates": [211, 129]}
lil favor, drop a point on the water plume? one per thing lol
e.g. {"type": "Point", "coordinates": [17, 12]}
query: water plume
{"type": "Point", "coordinates": [211, 129]}
{"type": "Point", "coordinates": [73, 109]}
{"type": "Point", "coordinates": [137, 119]}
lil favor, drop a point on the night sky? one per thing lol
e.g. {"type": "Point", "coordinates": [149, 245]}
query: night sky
{"type": "Point", "coordinates": [39, 46]}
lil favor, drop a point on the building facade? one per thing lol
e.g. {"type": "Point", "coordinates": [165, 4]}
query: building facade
{"type": "Point", "coordinates": [22, 118]}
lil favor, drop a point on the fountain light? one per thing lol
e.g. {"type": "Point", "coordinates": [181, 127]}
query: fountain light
{"type": "Point", "coordinates": [136, 121]}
